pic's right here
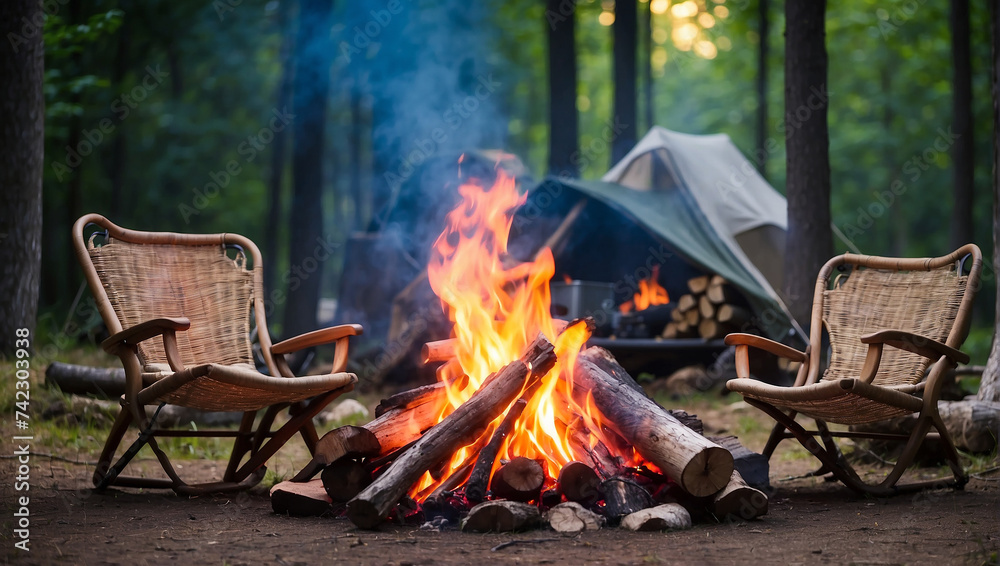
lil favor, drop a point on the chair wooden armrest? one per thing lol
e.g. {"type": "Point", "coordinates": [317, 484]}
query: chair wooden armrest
{"type": "Point", "coordinates": [144, 331]}
{"type": "Point", "coordinates": [917, 344]}
{"type": "Point", "coordinates": [743, 342]}
{"type": "Point", "coordinates": [165, 326]}
{"type": "Point", "coordinates": [338, 334]}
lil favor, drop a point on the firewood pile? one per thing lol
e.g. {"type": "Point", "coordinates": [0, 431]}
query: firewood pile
{"type": "Point", "coordinates": [711, 310]}
{"type": "Point", "coordinates": [654, 470]}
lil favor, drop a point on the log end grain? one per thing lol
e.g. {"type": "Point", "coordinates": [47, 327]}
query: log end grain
{"type": "Point", "coordinates": [708, 472]}
{"type": "Point", "coordinates": [579, 482]}
{"type": "Point", "coordinates": [520, 479]}
{"type": "Point", "coordinates": [344, 479]}
{"type": "Point", "coordinates": [306, 499]}
{"type": "Point", "coordinates": [571, 517]}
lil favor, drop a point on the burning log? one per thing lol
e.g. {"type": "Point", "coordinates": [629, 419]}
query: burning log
{"type": "Point", "coordinates": [603, 462]}
{"type": "Point", "coordinates": [339, 442]}
{"type": "Point", "coordinates": [501, 516]}
{"type": "Point", "coordinates": [398, 426]}
{"type": "Point", "coordinates": [521, 479]}
{"type": "Point", "coordinates": [571, 517]}
{"type": "Point", "coordinates": [444, 350]}
{"type": "Point", "coordinates": [659, 518]}
{"type": "Point", "coordinates": [699, 466]}
{"type": "Point", "coordinates": [579, 482]}
{"type": "Point", "coordinates": [623, 497]}
{"type": "Point", "coordinates": [475, 489]}
{"type": "Point", "coordinates": [411, 398]}
{"type": "Point", "coordinates": [438, 351]}
{"type": "Point", "coordinates": [739, 500]}
{"type": "Point", "coordinates": [372, 505]}
{"type": "Point", "coordinates": [450, 483]}
{"type": "Point", "coordinates": [344, 479]}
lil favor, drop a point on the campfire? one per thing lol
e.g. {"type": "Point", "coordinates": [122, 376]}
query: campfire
{"type": "Point", "coordinates": [522, 418]}
{"type": "Point", "coordinates": [650, 293]}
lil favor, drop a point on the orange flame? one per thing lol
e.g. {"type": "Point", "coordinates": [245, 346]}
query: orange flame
{"type": "Point", "coordinates": [498, 306]}
{"type": "Point", "coordinates": [650, 293]}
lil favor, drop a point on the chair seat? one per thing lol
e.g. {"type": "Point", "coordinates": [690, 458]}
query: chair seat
{"type": "Point", "coordinates": [842, 401]}
{"type": "Point", "coordinates": [237, 387]}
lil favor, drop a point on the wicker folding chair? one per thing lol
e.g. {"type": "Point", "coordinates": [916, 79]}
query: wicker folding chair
{"type": "Point", "coordinates": [921, 309]}
{"type": "Point", "coordinates": [180, 308]}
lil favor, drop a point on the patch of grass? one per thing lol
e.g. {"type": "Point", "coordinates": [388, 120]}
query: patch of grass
{"type": "Point", "coordinates": [750, 426]}
{"type": "Point", "coordinates": [272, 478]}
{"type": "Point", "coordinates": [693, 403]}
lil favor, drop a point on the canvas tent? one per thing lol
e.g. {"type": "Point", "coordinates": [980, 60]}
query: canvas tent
{"type": "Point", "coordinates": [700, 194]}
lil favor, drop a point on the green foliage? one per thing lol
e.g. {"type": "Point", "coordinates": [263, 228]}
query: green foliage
{"type": "Point", "coordinates": [65, 43]}
{"type": "Point", "coordinates": [186, 90]}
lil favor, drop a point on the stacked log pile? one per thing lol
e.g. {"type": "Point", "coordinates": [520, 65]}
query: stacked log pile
{"type": "Point", "coordinates": [711, 310]}
{"type": "Point", "coordinates": [367, 472]}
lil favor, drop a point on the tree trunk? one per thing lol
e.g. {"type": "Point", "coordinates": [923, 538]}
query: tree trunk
{"type": "Point", "coordinates": [961, 102]}
{"type": "Point", "coordinates": [311, 88]}
{"type": "Point", "coordinates": [810, 241]}
{"type": "Point", "coordinates": [647, 48]}
{"type": "Point", "coordinates": [989, 386]}
{"type": "Point", "coordinates": [624, 115]}
{"type": "Point", "coordinates": [761, 153]}
{"type": "Point", "coordinates": [564, 132]}
{"type": "Point", "coordinates": [22, 149]}
{"type": "Point", "coordinates": [278, 154]}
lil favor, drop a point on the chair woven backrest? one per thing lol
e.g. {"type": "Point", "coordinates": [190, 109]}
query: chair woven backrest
{"type": "Point", "coordinates": [200, 282]}
{"type": "Point", "coordinates": [871, 300]}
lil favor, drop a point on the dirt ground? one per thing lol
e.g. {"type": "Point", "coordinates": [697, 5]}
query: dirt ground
{"type": "Point", "coordinates": [810, 521]}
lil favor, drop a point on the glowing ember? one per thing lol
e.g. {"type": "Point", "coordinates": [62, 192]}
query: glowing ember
{"type": "Point", "coordinates": [650, 293]}
{"type": "Point", "coordinates": [498, 306]}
